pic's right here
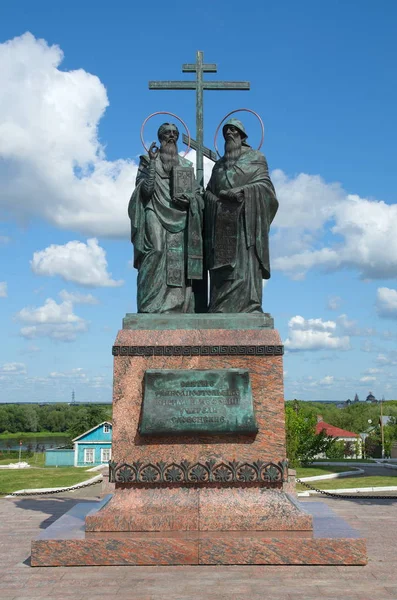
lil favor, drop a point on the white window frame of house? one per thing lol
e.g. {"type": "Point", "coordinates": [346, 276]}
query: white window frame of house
{"type": "Point", "coordinates": [103, 450]}
{"type": "Point", "coordinates": [106, 428]}
{"type": "Point", "coordinates": [87, 452]}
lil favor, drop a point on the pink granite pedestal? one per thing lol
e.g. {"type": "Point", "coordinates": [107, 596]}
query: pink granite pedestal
{"type": "Point", "coordinates": [248, 518]}
{"type": "Point", "coordinates": [210, 505]}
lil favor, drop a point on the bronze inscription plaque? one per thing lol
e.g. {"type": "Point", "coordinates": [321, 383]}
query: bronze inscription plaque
{"type": "Point", "coordinates": [197, 401]}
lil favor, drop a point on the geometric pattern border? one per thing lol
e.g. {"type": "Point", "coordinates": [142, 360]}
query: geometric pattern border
{"type": "Point", "coordinates": [210, 471]}
{"type": "Point", "coordinates": [250, 350]}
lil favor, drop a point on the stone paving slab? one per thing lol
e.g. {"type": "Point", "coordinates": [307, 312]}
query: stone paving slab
{"type": "Point", "coordinates": [22, 519]}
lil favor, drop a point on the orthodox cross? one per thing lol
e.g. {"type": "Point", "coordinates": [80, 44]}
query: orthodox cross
{"type": "Point", "coordinates": [199, 67]}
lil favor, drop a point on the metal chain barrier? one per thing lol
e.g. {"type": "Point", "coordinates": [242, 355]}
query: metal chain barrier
{"type": "Point", "coordinates": [345, 496]}
{"type": "Point", "coordinates": [49, 492]}
{"type": "Point", "coordinates": [310, 487]}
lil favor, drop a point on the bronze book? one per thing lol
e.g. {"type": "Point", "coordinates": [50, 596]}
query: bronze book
{"type": "Point", "coordinates": [182, 180]}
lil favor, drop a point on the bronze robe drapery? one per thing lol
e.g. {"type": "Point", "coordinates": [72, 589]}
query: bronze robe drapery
{"type": "Point", "coordinates": [167, 240]}
{"type": "Point", "coordinates": [237, 233]}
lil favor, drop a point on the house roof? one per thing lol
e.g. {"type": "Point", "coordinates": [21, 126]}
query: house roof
{"type": "Point", "coordinates": [335, 432]}
{"type": "Point", "coordinates": [92, 429]}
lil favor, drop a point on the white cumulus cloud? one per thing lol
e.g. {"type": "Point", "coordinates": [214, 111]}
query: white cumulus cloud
{"type": "Point", "coordinates": [386, 359]}
{"type": "Point", "coordinates": [386, 302]}
{"type": "Point", "coordinates": [77, 373]}
{"type": "Point", "coordinates": [13, 368]}
{"type": "Point", "coordinates": [52, 162]}
{"type": "Point", "coordinates": [299, 322]}
{"type": "Point", "coordinates": [360, 232]}
{"type": "Point", "coordinates": [84, 264]}
{"type": "Point", "coordinates": [3, 289]}
{"type": "Point", "coordinates": [314, 334]}
{"type": "Point", "coordinates": [351, 327]}
{"type": "Point", "coordinates": [77, 298]}
{"type": "Point", "coordinates": [296, 195]}
{"type": "Point", "coordinates": [53, 320]}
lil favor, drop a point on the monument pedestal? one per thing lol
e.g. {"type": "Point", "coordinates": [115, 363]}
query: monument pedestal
{"type": "Point", "coordinates": [209, 483]}
{"type": "Point", "coordinates": [200, 508]}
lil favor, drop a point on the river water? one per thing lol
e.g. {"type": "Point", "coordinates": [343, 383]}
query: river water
{"type": "Point", "coordinates": [47, 442]}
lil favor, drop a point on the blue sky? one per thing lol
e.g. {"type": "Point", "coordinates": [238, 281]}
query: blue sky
{"type": "Point", "coordinates": [73, 81]}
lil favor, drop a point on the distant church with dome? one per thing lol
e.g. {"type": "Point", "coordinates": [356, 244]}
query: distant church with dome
{"type": "Point", "coordinates": [371, 398]}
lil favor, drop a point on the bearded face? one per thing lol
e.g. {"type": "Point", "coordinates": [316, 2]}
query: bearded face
{"type": "Point", "coordinates": [233, 144]}
{"type": "Point", "coordinates": [168, 148]}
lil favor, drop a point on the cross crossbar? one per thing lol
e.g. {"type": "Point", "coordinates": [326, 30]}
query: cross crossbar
{"type": "Point", "coordinates": [206, 68]}
{"type": "Point", "coordinates": [172, 85]}
{"type": "Point", "coordinates": [226, 85]}
{"type": "Point", "coordinates": [192, 85]}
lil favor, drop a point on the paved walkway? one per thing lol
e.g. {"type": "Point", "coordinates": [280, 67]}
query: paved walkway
{"type": "Point", "coordinates": [22, 518]}
{"type": "Point", "coordinates": [378, 471]}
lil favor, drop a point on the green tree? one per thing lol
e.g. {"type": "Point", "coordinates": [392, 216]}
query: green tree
{"type": "Point", "coordinates": [349, 449]}
{"type": "Point", "coordinates": [372, 447]}
{"type": "Point", "coordinates": [85, 418]}
{"type": "Point", "coordinates": [336, 451]}
{"type": "Point", "coordinates": [4, 420]}
{"type": "Point", "coordinates": [303, 443]}
{"type": "Point", "coordinates": [30, 418]}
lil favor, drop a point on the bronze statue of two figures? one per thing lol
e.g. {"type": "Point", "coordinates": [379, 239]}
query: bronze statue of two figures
{"type": "Point", "coordinates": [180, 232]}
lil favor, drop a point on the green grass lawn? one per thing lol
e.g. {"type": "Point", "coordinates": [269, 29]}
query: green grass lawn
{"type": "Point", "coordinates": [351, 482]}
{"type": "Point", "coordinates": [314, 471]}
{"type": "Point", "coordinates": [35, 460]}
{"type": "Point", "coordinates": [7, 461]}
{"type": "Point", "coordinates": [12, 480]}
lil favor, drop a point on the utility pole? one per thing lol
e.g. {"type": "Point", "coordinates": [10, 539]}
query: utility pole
{"type": "Point", "coordinates": [382, 433]}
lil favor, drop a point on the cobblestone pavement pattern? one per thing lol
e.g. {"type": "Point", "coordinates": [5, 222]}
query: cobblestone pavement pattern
{"type": "Point", "coordinates": [22, 518]}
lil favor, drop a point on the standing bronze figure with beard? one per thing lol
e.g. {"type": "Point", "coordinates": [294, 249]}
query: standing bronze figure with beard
{"type": "Point", "coordinates": [240, 204]}
{"type": "Point", "coordinates": [166, 230]}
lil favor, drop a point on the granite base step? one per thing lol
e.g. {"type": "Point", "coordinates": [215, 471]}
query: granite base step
{"type": "Point", "coordinates": [66, 543]}
{"type": "Point", "coordinates": [200, 508]}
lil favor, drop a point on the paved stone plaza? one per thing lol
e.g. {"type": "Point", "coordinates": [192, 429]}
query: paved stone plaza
{"type": "Point", "coordinates": [21, 519]}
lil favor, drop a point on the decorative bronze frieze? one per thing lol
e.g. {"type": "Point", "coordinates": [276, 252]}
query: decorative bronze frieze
{"type": "Point", "coordinates": [198, 473]}
{"type": "Point", "coordinates": [198, 350]}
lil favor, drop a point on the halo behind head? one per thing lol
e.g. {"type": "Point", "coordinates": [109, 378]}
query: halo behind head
{"type": "Point", "coordinates": [162, 112]}
{"type": "Point", "coordinates": [241, 125]}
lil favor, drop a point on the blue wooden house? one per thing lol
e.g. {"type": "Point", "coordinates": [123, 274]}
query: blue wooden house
{"type": "Point", "coordinates": [90, 449]}
{"type": "Point", "coordinates": [94, 447]}
{"type": "Point", "coordinates": [59, 457]}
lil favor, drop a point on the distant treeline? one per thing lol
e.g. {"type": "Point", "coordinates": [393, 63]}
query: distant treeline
{"type": "Point", "coordinates": [353, 417]}
{"type": "Point", "coordinates": [359, 417]}
{"type": "Point", "coordinates": [65, 418]}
